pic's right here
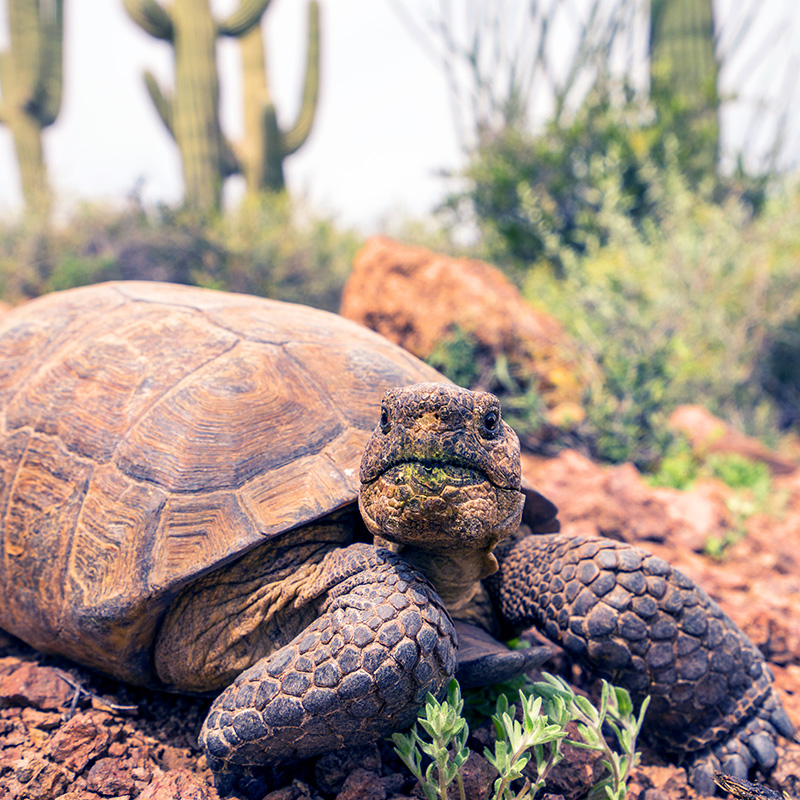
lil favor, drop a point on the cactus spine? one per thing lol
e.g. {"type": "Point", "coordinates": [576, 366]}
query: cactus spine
{"type": "Point", "coordinates": [31, 78]}
{"type": "Point", "coordinates": [265, 144]}
{"type": "Point", "coordinates": [192, 113]}
{"type": "Point", "coordinates": [683, 75]}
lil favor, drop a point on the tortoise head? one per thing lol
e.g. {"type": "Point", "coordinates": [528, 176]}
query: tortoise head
{"type": "Point", "coordinates": [441, 472]}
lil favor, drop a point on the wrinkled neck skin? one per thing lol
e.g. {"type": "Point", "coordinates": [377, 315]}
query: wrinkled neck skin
{"type": "Point", "coordinates": [456, 576]}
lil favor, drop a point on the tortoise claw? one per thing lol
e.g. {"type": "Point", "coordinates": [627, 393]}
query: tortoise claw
{"type": "Point", "coordinates": [701, 774]}
{"type": "Point", "coordinates": [482, 660]}
{"type": "Point", "coordinates": [735, 766]}
{"type": "Point", "coordinates": [763, 748]}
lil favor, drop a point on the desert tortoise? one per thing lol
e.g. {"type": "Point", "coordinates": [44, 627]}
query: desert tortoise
{"type": "Point", "coordinates": [180, 470]}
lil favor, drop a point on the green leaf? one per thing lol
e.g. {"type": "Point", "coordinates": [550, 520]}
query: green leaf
{"type": "Point", "coordinates": [624, 702]}
{"type": "Point", "coordinates": [586, 708]}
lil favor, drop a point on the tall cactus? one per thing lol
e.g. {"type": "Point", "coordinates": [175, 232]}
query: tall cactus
{"type": "Point", "coordinates": [683, 75]}
{"type": "Point", "coordinates": [192, 113]}
{"type": "Point", "coordinates": [265, 144]}
{"type": "Point", "coordinates": [31, 79]}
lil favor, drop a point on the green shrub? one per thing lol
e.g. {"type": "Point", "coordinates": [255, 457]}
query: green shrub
{"type": "Point", "coordinates": [270, 247]}
{"type": "Point", "coordinates": [463, 359]}
{"type": "Point", "coordinates": [678, 312]}
{"type": "Point", "coordinates": [534, 195]}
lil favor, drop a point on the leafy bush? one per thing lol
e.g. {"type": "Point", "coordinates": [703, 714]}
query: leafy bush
{"type": "Point", "coordinates": [533, 195]}
{"type": "Point", "coordinates": [270, 248]}
{"type": "Point", "coordinates": [275, 249]}
{"type": "Point", "coordinates": [675, 312]}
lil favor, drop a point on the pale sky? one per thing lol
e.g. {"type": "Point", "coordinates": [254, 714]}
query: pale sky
{"type": "Point", "coordinates": [383, 129]}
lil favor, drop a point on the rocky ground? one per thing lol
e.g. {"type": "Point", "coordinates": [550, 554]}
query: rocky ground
{"type": "Point", "coordinates": [66, 733]}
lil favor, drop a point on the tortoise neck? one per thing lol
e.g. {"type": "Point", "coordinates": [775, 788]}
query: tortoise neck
{"type": "Point", "coordinates": [456, 576]}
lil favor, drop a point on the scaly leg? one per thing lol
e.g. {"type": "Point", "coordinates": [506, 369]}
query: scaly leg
{"type": "Point", "coordinates": [359, 672]}
{"type": "Point", "coordinates": [631, 618]}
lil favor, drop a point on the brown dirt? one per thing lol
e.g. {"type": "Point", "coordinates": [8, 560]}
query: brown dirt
{"type": "Point", "coordinates": [120, 742]}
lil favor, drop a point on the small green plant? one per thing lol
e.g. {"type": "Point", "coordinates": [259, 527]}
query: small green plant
{"type": "Point", "coordinates": [740, 472]}
{"type": "Point", "coordinates": [515, 739]}
{"type": "Point", "coordinates": [617, 712]}
{"type": "Point", "coordinates": [458, 357]}
{"type": "Point", "coordinates": [447, 749]}
{"type": "Point", "coordinates": [546, 708]}
{"type": "Point", "coordinates": [678, 468]}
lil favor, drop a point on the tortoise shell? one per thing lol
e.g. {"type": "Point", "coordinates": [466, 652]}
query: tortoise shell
{"type": "Point", "coordinates": [151, 433]}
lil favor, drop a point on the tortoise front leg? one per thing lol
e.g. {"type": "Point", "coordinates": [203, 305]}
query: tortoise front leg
{"type": "Point", "coordinates": [361, 670]}
{"type": "Point", "coordinates": [631, 618]}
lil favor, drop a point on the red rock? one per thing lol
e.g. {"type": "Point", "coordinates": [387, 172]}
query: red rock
{"type": "Point", "coordinates": [362, 784]}
{"type": "Point", "coordinates": [41, 779]}
{"type": "Point", "coordinates": [9, 663]}
{"type": "Point", "coordinates": [710, 434]}
{"type": "Point", "coordinates": [81, 739]}
{"type": "Point", "coordinates": [478, 776]}
{"type": "Point", "coordinates": [698, 514]}
{"type": "Point", "coordinates": [178, 784]}
{"type": "Point", "coordinates": [46, 720]}
{"type": "Point", "coordinates": [109, 777]}
{"type": "Point", "coordinates": [32, 685]}
{"type": "Point", "coordinates": [419, 299]}
{"type": "Point", "coordinates": [294, 791]}
{"type": "Point", "coordinates": [595, 500]}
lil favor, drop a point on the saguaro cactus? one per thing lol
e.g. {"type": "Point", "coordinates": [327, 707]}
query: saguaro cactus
{"type": "Point", "coordinates": [192, 113]}
{"type": "Point", "coordinates": [31, 78]}
{"type": "Point", "coordinates": [265, 144]}
{"type": "Point", "coordinates": [683, 75]}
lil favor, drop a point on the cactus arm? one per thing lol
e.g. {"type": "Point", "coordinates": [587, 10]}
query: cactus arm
{"type": "Point", "coordinates": [151, 17]}
{"type": "Point", "coordinates": [244, 18]}
{"type": "Point", "coordinates": [3, 82]}
{"type": "Point", "coordinates": [25, 51]}
{"type": "Point", "coordinates": [51, 80]}
{"type": "Point", "coordinates": [231, 158]}
{"type": "Point", "coordinates": [162, 102]}
{"type": "Point", "coordinates": [273, 178]}
{"type": "Point", "coordinates": [32, 88]}
{"type": "Point", "coordinates": [684, 72]}
{"type": "Point", "coordinates": [296, 136]}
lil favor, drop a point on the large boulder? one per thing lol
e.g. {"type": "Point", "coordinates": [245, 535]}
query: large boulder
{"type": "Point", "coordinates": [710, 434]}
{"type": "Point", "coordinates": [422, 300]}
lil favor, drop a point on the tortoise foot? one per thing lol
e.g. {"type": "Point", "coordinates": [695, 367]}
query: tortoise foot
{"type": "Point", "coordinates": [482, 660]}
{"type": "Point", "coordinates": [751, 745]}
{"type": "Point", "coordinates": [360, 671]}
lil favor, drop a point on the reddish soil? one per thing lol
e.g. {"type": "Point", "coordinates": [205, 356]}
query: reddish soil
{"type": "Point", "coordinates": [112, 741]}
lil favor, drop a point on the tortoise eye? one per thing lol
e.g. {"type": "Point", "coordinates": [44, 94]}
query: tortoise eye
{"type": "Point", "coordinates": [384, 420]}
{"type": "Point", "coordinates": [491, 420]}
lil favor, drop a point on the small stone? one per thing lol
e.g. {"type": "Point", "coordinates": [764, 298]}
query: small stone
{"type": "Point", "coordinates": [31, 685]}
{"type": "Point", "coordinates": [177, 784]}
{"type": "Point", "coordinates": [478, 776]}
{"type": "Point", "coordinates": [42, 780]}
{"type": "Point", "coordinates": [81, 739]}
{"type": "Point", "coordinates": [109, 778]}
{"type": "Point", "coordinates": [45, 720]}
{"type": "Point", "coordinates": [362, 784]}
{"type": "Point", "coordinates": [332, 769]}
